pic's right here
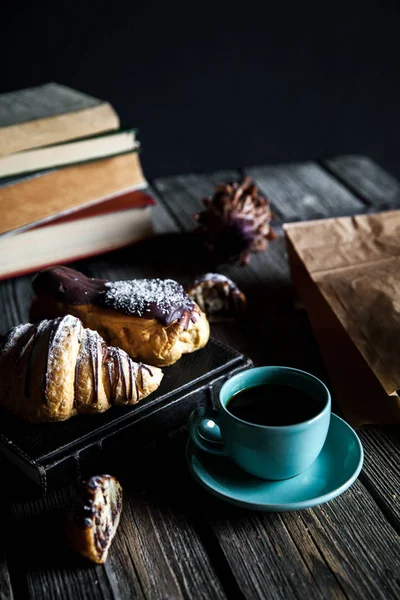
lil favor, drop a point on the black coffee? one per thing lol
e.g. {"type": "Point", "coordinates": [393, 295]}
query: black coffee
{"type": "Point", "coordinates": [273, 404]}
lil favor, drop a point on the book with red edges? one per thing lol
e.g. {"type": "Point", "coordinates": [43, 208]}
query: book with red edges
{"type": "Point", "coordinates": [93, 229]}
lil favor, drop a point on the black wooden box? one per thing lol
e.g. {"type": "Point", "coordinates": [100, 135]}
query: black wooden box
{"type": "Point", "coordinates": [53, 454]}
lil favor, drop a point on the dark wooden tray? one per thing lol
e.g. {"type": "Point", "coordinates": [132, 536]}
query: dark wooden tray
{"type": "Point", "coordinates": [53, 454]}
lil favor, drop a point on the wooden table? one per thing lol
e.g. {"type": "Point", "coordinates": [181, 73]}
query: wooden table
{"type": "Point", "coordinates": [175, 541]}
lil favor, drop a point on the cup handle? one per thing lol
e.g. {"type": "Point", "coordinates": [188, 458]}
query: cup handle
{"type": "Point", "coordinates": [207, 419]}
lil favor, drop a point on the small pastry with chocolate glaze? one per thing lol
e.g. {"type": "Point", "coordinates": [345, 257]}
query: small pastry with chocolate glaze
{"type": "Point", "coordinates": [153, 320]}
{"type": "Point", "coordinates": [92, 523]}
{"type": "Point", "coordinates": [218, 296]}
{"type": "Point", "coordinates": [56, 369]}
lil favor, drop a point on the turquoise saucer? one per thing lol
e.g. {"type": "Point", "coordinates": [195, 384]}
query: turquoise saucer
{"type": "Point", "coordinates": [336, 468]}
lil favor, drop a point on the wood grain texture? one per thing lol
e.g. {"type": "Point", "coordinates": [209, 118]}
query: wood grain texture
{"type": "Point", "coordinates": [155, 554]}
{"type": "Point", "coordinates": [184, 193]}
{"type": "Point", "coordinates": [283, 564]}
{"type": "Point", "coordinates": [302, 191]}
{"type": "Point", "coordinates": [163, 222]}
{"type": "Point", "coordinates": [12, 311]}
{"type": "Point", "coordinates": [44, 564]}
{"type": "Point", "coordinates": [6, 592]}
{"type": "Point", "coordinates": [158, 544]}
{"type": "Point", "coordinates": [368, 180]}
{"type": "Point", "coordinates": [381, 472]}
{"type": "Point", "coordinates": [343, 549]}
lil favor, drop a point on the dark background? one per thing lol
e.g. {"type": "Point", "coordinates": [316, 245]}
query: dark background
{"type": "Point", "coordinates": [214, 85]}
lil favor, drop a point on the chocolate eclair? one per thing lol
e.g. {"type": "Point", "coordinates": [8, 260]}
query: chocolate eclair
{"type": "Point", "coordinates": [153, 320]}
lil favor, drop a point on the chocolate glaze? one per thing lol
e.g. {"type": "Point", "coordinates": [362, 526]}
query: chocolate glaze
{"type": "Point", "coordinates": [130, 380]}
{"type": "Point", "coordinates": [45, 376]}
{"type": "Point", "coordinates": [68, 286]}
{"type": "Point", "coordinates": [118, 368]}
{"type": "Point", "coordinates": [80, 340]}
{"type": "Point", "coordinates": [39, 330]}
{"type": "Point", "coordinates": [95, 368]}
{"type": "Point", "coordinates": [141, 376]}
{"type": "Point", "coordinates": [76, 379]}
{"type": "Point", "coordinates": [109, 373]}
{"type": "Point", "coordinates": [137, 389]}
{"type": "Point", "coordinates": [141, 367]}
{"type": "Point", "coordinates": [25, 340]}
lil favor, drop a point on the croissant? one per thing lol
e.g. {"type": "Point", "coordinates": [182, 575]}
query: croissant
{"type": "Point", "coordinates": [56, 369]}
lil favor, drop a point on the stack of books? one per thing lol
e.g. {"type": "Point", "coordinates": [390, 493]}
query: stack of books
{"type": "Point", "coordinates": [70, 179]}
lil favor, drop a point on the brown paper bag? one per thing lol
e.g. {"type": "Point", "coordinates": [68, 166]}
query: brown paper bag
{"type": "Point", "coordinates": [347, 273]}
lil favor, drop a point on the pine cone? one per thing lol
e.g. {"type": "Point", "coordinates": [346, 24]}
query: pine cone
{"type": "Point", "coordinates": [235, 222]}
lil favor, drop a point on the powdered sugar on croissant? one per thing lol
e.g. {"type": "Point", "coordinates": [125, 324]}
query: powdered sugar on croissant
{"type": "Point", "coordinates": [56, 369]}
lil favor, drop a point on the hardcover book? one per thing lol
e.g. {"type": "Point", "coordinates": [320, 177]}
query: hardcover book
{"type": "Point", "coordinates": [34, 200]}
{"type": "Point", "coordinates": [21, 165]}
{"type": "Point", "coordinates": [101, 227]}
{"type": "Point", "coordinates": [48, 114]}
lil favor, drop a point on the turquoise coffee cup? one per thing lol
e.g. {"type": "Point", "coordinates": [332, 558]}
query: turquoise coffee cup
{"type": "Point", "coordinates": [269, 452]}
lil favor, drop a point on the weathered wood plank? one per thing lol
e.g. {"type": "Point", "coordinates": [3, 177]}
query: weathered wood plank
{"type": "Point", "coordinates": [343, 549]}
{"type": "Point", "coordinates": [353, 526]}
{"type": "Point", "coordinates": [280, 562]}
{"type": "Point", "coordinates": [301, 191]}
{"type": "Point", "coordinates": [157, 553]}
{"type": "Point", "coordinates": [44, 565]}
{"type": "Point", "coordinates": [184, 193]}
{"type": "Point", "coordinates": [159, 544]}
{"type": "Point", "coordinates": [381, 472]}
{"type": "Point", "coordinates": [367, 179]}
{"type": "Point", "coordinates": [10, 310]}
{"type": "Point", "coordinates": [259, 549]}
{"type": "Point", "coordinates": [6, 592]}
{"type": "Point", "coordinates": [163, 222]}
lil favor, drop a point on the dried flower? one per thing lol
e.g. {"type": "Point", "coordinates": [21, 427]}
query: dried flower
{"type": "Point", "coordinates": [235, 222]}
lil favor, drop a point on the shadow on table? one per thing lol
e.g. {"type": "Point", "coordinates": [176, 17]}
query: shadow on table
{"type": "Point", "coordinates": [37, 539]}
{"type": "Point", "coordinates": [183, 257]}
{"type": "Point", "coordinates": [176, 255]}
